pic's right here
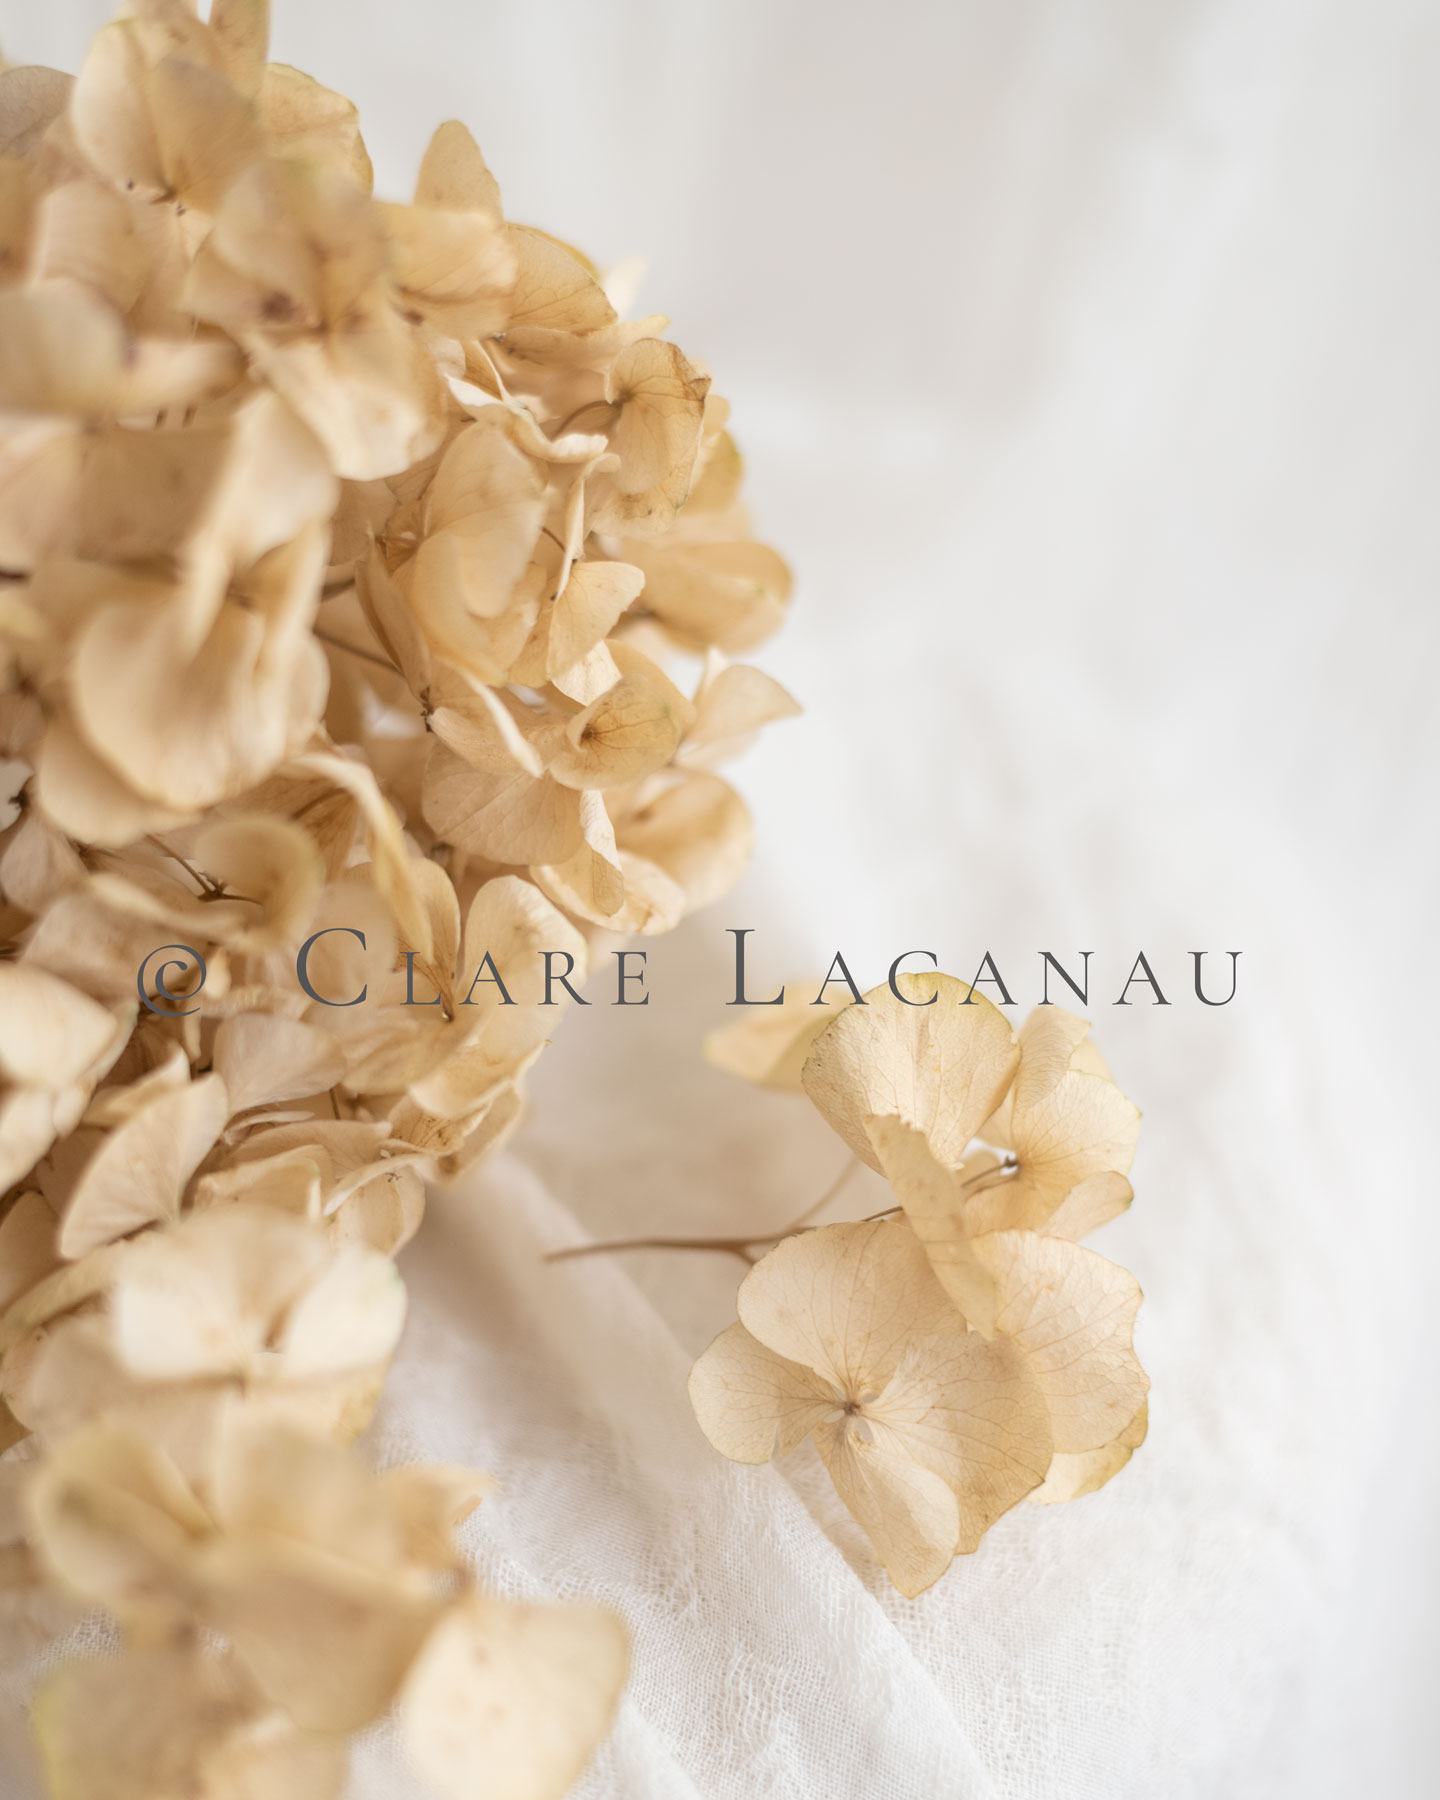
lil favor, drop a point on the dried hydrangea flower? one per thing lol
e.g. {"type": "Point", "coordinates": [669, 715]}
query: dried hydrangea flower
{"type": "Point", "coordinates": [349, 546]}
{"type": "Point", "coordinates": [929, 1432]}
{"type": "Point", "coordinates": [335, 1587]}
{"type": "Point", "coordinates": [867, 1335]}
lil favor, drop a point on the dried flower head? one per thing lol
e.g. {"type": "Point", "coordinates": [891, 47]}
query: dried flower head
{"type": "Point", "coordinates": [351, 550]}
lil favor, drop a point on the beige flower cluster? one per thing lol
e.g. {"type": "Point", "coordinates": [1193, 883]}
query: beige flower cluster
{"type": "Point", "coordinates": [961, 1351]}
{"type": "Point", "coordinates": [345, 546]}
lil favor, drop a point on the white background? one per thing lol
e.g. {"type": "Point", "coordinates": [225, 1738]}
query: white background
{"type": "Point", "coordinates": [1084, 356]}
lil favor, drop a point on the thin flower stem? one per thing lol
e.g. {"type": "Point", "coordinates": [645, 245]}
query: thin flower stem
{"type": "Point", "coordinates": [731, 1246]}
{"type": "Point", "coordinates": [976, 1184]}
{"type": "Point", "coordinates": [851, 1165]}
{"type": "Point", "coordinates": [988, 1178]}
{"type": "Point", "coordinates": [210, 888]}
{"type": "Point", "coordinates": [381, 662]}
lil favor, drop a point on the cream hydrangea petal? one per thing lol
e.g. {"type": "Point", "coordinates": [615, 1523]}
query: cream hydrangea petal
{"type": "Point", "coordinates": [509, 817]}
{"type": "Point", "coordinates": [940, 1068]}
{"type": "Point", "coordinates": [591, 883]}
{"type": "Point", "coordinates": [349, 1318]}
{"type": "Point", "coordinates": [89, 800]}
{"type": "Point", "coordinates": [1074, 1474]}
{"type": "Point", "coordinates": [1090, 1204]}
{"type": "Point", "coordinates": [454, 269]}
{"type": "Point", "coordinates": [479, 726]}
{"type": "Point", "coordinates": [934, 1203]}
{"type": "Point", "coordinates": [729, 594]}
{"type": "Point", "coordinates": [1071, 1128]}
{"type": "Point", "coordinates": [263, 1059]}
{"type": "Point", "coordinates": [846, 1301]}
{"type": "Point", "coordinates": [973, 1413]}
{"type": "Point", "coordinates": [50, 1032]}
{"type": "Point", "coordinates": [483, 511]}
{"type": "Point", "coordinates": [910, 1514]}
{"type": "Point", "coordinates": [327, 1639]}
{"type": "Point", "coordinates": [1082, 1128]}
{"type": "Point", "coordinates": [112, 1515]}
{"type": "Point", "coordinates": [511, 1700]}
{"type": "Point", "coordinates": [301, 118]}
{"type": "Point", "coordinates": [308, 1576]}
{"type": "Point", "coordinates": [241, 30]}
{"type": "Point", "coordinates": [732, 705]}
{"type": "Point", "coordinates": [1050, 1039]}
{"type": "Point", "coordinates": [514, 923]}
{"type": "Point", "coordinates": [553, 288]}
{"type": "Point", "coordinates": [434, 1498]}
{"type": "Point", "coordinates": [1072, 1314]}
{"type": "Point", "coordinates": [769, 1044]}
{"type": "Point", "coordinates": [186, 730]}
{"type": "Point", "coordinates": [453, 173]}
{"type": "Point", "coordinates": [206, 133]}
{"type": "Point", "coordinates": [62, 350]}
{"type": "Point", "coordinates": [587, 609]}
{"type": "Point", "coordinates": [167, 1722]}
{"type": "Point", "coordinates": [627, 733]}
{"type": "Point", "coordinates": [753, 1404]}
{"type": "Point", "coordinates": [275, 864]}
{"type": "Point", "coordinates": [208, 1295]}
{"type": "Point", "coordinates": [31, 99]}
{"type": "Point", "coordinates": [661, 401]}
{"type": "Point", "coordinates": [697, 829]}
{"type": "Point", "coordinates": [365, 394]}
{"type": "Point", "coordinates": [139, 1172]}
{"type": "Point", "coordinates": [390, 858]}
{"type": "Point", "coordinates": [83, 232]}
{"type": "Point", "coordinates": [108, 114]}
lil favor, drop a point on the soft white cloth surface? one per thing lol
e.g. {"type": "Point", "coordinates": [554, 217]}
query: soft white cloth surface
{"type": "Point", "coordinates": [1084, 353]}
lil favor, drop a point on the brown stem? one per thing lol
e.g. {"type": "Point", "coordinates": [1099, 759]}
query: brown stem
{"type": "Point", "coordinates": [988, 1178]}
{"type": "Point", "coordinates": [852, 1163]}
{"type": "Point", "coordinates": [731, 1246]}
{"type": "Point", "coordinates": [210, 888]}
{"type": "Point", "coordinates": [381, 662]}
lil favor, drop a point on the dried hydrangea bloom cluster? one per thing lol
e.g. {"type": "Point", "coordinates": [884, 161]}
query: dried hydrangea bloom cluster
{"type": "Point", "coordinates": [343, 548]}
{"type": "Point", "coordinates": [961, 1351]}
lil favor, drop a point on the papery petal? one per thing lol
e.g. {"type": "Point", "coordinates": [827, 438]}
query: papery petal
{"type": "Point", "coordinates": [845, 1301]}
{"type": "Point", "coordinates": [1074, 1474]}
{"type": "Point", "coordinates": [138, 1174]}
{"type": "Point", "coordinates": [753, 1404]}
{"type": "Point", "coordinates": [909, 1514]}
{"type": "Point", "coordinates": [940, 1068]}
{"type": "Point", "coordinates": [511, 1700]}
{"type": "Point", "coordinates": [1072, 1313]}
{"type": "Point", "coordinates": [934, 1203]}
{"type": "Point", "coordinates": [769, 1044]}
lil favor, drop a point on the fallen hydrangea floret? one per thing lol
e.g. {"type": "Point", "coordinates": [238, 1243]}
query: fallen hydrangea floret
{"type": "Point", "coordinates": [963, 1351]}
